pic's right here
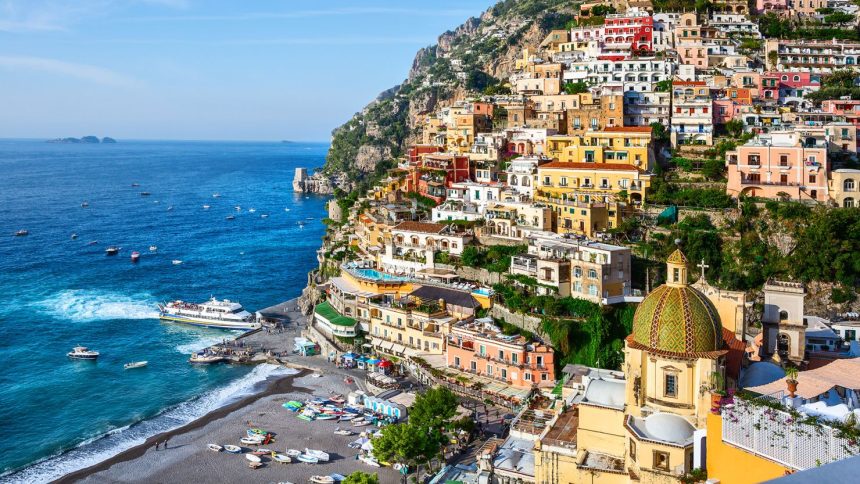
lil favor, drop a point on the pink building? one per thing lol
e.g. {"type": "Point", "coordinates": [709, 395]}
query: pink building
{"type": "Point", "coordinates": [479, 347]}
{"type": "Point", "coordinates": [781, 165]}
{"type": "Point", "coordinates": [776, 6]}
{"type": "Point", "coordinates": [725, 110]}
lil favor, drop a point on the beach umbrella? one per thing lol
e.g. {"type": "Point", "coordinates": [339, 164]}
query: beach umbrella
{"type": "Point", "coordinates": [384, 364]}
{"type": "Point", "coordinates": [368, 446]}
{"type": "Point", "coordinates": [373, 361]}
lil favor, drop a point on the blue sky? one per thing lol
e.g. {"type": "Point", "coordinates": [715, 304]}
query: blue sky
{"type": "Point", "coordinates": [203, 69]}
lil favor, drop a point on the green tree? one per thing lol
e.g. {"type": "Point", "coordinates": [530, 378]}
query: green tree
{"type": "Point", "coordinates": [575, 87]}
{"type": "Point", "coordinates": [659, 132]}
{"type": "Point", "coordinates": [359, 477]}
{"type": "Point", "coordinates": [434, 408]}
{"type": "Point", "coordinates": [408, 444]}
{"type": "Point", "coordinates": [735, 127]}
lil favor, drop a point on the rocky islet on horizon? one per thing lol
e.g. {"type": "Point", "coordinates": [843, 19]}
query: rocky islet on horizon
{"type": "Point", "coordinates": [92, 140]}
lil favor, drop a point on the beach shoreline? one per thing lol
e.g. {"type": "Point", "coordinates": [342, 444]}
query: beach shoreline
{"type": "Point", "coordinates": [277, 386]}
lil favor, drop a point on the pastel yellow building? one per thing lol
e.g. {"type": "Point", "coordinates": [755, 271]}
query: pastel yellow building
{"type": "Point", "coordinates": [628, 145]}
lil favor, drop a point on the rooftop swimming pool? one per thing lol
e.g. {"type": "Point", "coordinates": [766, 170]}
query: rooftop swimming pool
{"type": "Point", "coordinates": [483, 291]}
{"type": "Point", "coordinates": [376, 275]}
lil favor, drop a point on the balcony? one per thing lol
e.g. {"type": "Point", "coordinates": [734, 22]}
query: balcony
{"type": "Point", "coordinates": [748, 181]}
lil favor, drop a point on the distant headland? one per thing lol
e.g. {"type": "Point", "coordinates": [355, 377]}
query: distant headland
{"type": "Point", "coordinates": [85, 139]}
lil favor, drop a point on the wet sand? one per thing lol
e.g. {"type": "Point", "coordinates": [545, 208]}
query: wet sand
{"type": "Point", "coordinates": [188, 459]}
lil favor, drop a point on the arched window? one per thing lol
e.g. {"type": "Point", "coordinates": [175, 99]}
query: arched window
{"type": "Point", "coordinates": [444, 244]}
{"type": "Point", "coordinates": [848, 202]}
{"type": "Point", "coordinates": [414, 240]}
{"type": "Point", "coordinates": [513, 181]}
{"type": "Point", "coordinates": [592, 290]}
{"type": "Point", "coordinates": [848, 185]}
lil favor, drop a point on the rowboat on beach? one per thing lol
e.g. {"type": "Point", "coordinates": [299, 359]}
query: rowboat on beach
{"type": "Point", "coordinates": [256, 433]}
{"type": "Point", "coordinates": [293, 453]}
{"type": "Point", "coordinates": [233, 449]}
{"type": "Point", "coordinates": [251, 440]}
{"type": "Point", "coordinates": [327, 416]}
{"type": "Point", "coordinates": [343, 432]}
{"type": "Point", "coordinates": [360, 423]}
{"type": "Point", "coordinates": [320, 455]}
{"type": "Point", "coordinates": [369, 460]}
{"type": "Point", "coordinates": [283, 459]}
{"type": "Point", "coordinates": [346, 417]}
{"type": "Point", "coordinates": [253, 458]}
{"type": "Point", "coordinates": [322, 479]}
{"type": "Point", "coordinates": [307, 459]}
{"type": "Point", "coordinates": [215, 447]}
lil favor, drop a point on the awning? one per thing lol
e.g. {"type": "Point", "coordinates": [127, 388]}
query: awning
{"type": "Point", "coordinates": [398, 349]}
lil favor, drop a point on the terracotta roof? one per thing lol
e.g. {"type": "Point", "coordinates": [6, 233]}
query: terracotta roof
{"type": "Point", "coordinates": [627, 129]}
{"type": "Point", "coordinates": [423, 227]}
{"type": "Point", "coordinates": [811, 383]}
{"type": "Point", "coordinates": [735, 355]}
{"type": "Point", "coordinates": [589, 166]}
{"type": "Point", "coordinates": [689, 83]}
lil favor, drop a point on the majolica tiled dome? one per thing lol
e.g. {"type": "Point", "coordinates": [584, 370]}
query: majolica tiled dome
{"type": "Point", "coordinates": [675, 318]}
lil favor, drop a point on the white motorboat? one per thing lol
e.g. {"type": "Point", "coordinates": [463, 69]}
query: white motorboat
{"type": "Point", "coordinates": [83, 353]}
{"type": "Point", "coordinates": [250, 441]}
{"type": "Point", "coordinates": [283, 459]}
{"type": "Point", "coordinates": [265, 215]}
{"type": "Point", "coordinates": [322, 479]}
{"type": "Point", "coordinates": [369, 460]}
{"type": "Point", "coordinates": [233, 449]}
{"type": "Point", "coordinates": [22, 233]}
{"type": "Point", "coordinates": [135, 364]}
{"type": "Point", "coordinates": [286, 210]}
{"type": "Point", "coordinates": [253, 458]}
{"type": "Point", "coordinates": [205, 207]}
{"type": "Point", "coordinates": [85, 204]}
{"type": "Point", "coordinates": [252, 210]}
{"type": "Point", "coordinates": [216, 195]}
{"type": "Point", "coordinates": [360, 423]}
{"type": "Point", "coordinates": [230, 217]}
{"type": "Point", "coordinates": [215, 447]}
{"type": "Point", "coordinates": [176, 262]}
{"type": "Point", "coordinates": [238, 208]}
{"type": "Point", "coordinates": [223, 314]}
{"type": "Point", "coordinates": [153, 248]}
{"type": "Point", "coordinates": [323, 456]}
{"type": "Point", "coordinates": [205, 359]}
{"type": "Point", "coordinates": [112, 250]}
{"type": "Point", "coordinates": [293, 453]}
{"type": "Point", "coordinates": [170, 208]}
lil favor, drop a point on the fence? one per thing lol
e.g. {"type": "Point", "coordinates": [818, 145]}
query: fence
{"type": "Point", "coordinates": [779, 436]}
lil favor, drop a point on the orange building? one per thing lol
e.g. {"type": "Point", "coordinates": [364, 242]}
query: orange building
{"type": "Point", "coordinates": [480, 348]}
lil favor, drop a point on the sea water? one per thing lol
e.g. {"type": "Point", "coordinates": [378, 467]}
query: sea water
{"type": "Point", "coordinates": [58, 415]}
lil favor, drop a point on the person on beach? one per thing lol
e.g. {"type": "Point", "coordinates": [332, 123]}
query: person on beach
{"type": "Point", "coordinates": [156, 445]}
{"type": "Point", "coordinates": [165, 443]}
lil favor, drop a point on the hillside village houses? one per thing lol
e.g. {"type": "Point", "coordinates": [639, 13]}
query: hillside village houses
{"type": "Point", "coordinates": [552, 167]}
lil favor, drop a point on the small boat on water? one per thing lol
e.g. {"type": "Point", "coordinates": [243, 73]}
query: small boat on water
{"type": "Point", "coordinates": [176, 262]}
{"type": "Point", "coordinates": [251, 440]}
{"type": "Point", "coordinates": [307, 459]}
{"type": "Point", "coordinates": [283, 459]}
{"type": "Point", "coordinates": [22, 233]}
{"type": "Point", "coordinates": [169, 208]}
{"type": "Point", "coordinates": [252, 210]}
{"type": "Point", "coordinates": [205, 207]}
{"type": "Point", "coordinates": [233, 449]}
{"type": "Point", "coordinates": [85, 204]}
{"type": "Point", "coordinates": [320, 455]}
{"type": "Point", "coordinates": [135, 184]}
{"type": "Point", "coordinates": [216, 195]}
{"type": "Point", "coordinates": [322, 479]}
{"type": "Point", "coordinates": [93, 242]}
{"type": "Point", "coordinates": [215, 447]}
{"type": "Point", "coordinates": [286, 210]}
{"type": "Point", "coordinates": [135, 364]}
{"type": "Point", "coordinates": [265, 215]}
{"type": "Point", "coordinates": [238, 208]}
{"type": "Point", "coordinates": [112, 250]}
{"type": "Point", "coordinates": [74, 236]}
{"type": "Point", "coordinates": [153, 248]}
{"type": "Point", "coordinates": [83, 353]}
{"type": "Point", "coordinates": [135, 256]}
{"type": "Point", "coordinates": [145, 194]}
{"type": "Point", "coordinates": [230, 217]}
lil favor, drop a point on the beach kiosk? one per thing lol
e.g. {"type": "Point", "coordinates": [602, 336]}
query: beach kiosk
{"type": "Point", "coordinates": [305, 347]}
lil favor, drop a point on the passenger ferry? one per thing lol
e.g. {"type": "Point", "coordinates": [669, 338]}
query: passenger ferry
{"type": "Point", "coordinates": [224, 314]}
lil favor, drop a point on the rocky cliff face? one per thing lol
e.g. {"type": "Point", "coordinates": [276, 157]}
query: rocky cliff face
{"type": "Point", "coordinates": [440, 75]}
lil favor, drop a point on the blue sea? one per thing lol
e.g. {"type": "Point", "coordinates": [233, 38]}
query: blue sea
{"type": "Point", "coordinates": [59, 415]}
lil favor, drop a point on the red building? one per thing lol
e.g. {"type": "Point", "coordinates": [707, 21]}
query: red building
{"type": "Point", "coordinates": [416, 153]}
{"type": "Point", "coordinates": [629, 31]}
{"type": "Point", "coordinates": [437, 171]}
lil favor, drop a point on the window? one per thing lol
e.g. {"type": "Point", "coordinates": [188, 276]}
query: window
{"type": "Point", "coordinates": [457, 361]}
{"type": "Point", "coordinates": [783, 160]}
{"type": "Point", "coordinates": [546, 181]}
{"type": "Point", "coordinates": [514, 358]}
{"type": "Point", "coordinates": [501, 355]}
{"type": "Point", "coordinates": [474, 366]}
{"type": "Point", "coordinates": [661, 460]}
{"type": "Point", "coordinates": [544, 377]}
{"type": "Point", "coordinates": [812, 178]}
{"type": "Point", "coordinates": [504, 373]}
{"type": "Point", "coordinates": [848, 185]}
{"type": "Point", "coordinates": [482, 350]}
{"type": "Point", "coordinates": [671, 386]}
{"type": "Point", "coordinates": [577, 271]}
{"type": "Point", "coordinates": [527, 376]}
{"type": "Point", "coordinates": [633, 450]}
{"type": "Point", "coordinates": [592, 274]}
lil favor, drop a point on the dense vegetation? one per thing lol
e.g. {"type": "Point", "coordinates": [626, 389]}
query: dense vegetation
{"type": "Point", "coordinates": [835, 86]}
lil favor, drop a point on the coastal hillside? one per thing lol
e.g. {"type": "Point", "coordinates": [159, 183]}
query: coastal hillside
{"type": "Point", "coordinates": [466, 62]}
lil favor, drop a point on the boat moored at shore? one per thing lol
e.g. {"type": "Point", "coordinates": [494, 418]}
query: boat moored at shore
{"type": "Point", "coordinates": [224, 314]}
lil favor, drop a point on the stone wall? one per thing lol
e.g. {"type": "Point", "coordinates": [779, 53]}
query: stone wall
{"type": "Point", "coordinates": [524, 321]}
{"type": "Point", "coordinates": [474, 274]}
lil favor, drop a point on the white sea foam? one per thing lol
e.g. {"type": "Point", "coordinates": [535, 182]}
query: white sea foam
{"type": "Point", "coordinates": [103, 447]}
{"type": "Point", "coordinates": [81, 305]}
{"type": "Point", "coordinates": [201, 343]}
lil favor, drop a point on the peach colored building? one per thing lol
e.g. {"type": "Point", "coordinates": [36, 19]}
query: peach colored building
{"type": "Point", "coordinates": [480, 348]}
{"type": "Point", "coordinates": [781, 165]}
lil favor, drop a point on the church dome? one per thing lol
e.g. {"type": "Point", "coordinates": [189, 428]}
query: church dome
{"type": "Point", "coordinates": [675, 318]}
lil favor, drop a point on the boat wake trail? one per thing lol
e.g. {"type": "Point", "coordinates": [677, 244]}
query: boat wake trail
{"type": "Point", "coordinates": [81, 305]}
{"type": "Point", "coordinates": [102, 447]}
{"type": "Point", "coordinates": [205, 342]}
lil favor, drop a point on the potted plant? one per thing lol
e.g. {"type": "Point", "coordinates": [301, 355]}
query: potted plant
{"type": "Point", "coordinates": [718, 391]}
{"type": "Point", "coordinates": [791, 380]}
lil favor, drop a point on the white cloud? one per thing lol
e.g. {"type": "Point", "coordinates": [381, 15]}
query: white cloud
{"type": "Point", "coordinates": [98, 75]}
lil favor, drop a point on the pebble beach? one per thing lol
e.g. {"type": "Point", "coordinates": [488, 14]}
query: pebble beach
{"type": "Point", "coordinates": [187, 458]}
